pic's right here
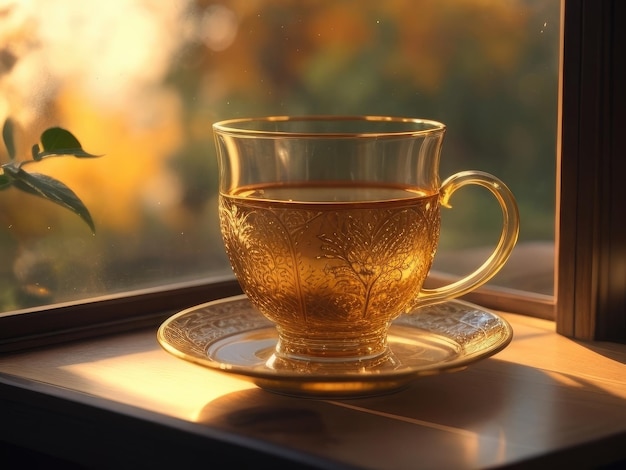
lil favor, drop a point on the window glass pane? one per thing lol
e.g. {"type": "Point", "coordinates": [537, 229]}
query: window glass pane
{"type": "Point", "coordinates": [140, 82]}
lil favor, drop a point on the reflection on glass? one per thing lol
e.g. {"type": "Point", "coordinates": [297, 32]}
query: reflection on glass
{"type": "Point", "coordinates": [144, 87]}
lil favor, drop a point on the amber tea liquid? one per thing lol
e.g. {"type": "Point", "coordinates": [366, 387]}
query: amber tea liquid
{"type": "Point", "coordinates": [331, 265]}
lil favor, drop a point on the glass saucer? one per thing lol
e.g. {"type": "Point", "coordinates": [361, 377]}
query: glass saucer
{"type": "Point", "coordinates": [231, 336]}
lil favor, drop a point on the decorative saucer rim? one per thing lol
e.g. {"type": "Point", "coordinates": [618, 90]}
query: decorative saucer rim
{"type": "Point", "coordinates": [262, 375]}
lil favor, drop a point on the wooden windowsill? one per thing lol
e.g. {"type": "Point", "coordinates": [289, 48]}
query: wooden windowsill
{"type": "Point", "coordinates": [121, 400]}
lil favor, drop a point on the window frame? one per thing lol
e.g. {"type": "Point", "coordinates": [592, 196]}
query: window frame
{"type": "Point", "coordinates": [590, 247]}
{"type": "Point", "coordinates": [104, 315]}
{"type": "Point", "coordinates": [591, 256]}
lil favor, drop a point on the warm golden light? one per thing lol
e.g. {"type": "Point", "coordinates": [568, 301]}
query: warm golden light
{"type": "Point", "coordinates": [161, 383]}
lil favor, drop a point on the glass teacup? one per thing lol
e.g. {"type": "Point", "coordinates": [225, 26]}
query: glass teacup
{"type": "Point", "coordinates": [331, 225]}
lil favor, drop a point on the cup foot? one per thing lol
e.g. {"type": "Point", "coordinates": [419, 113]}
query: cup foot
{"type": "Point", "coordinates": [323, 365]}
{"type": "Point", "coordinates": [339, 347]}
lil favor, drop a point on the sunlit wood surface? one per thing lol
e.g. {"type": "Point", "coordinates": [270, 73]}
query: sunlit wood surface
{"type": "Point", "coordinates": [543, 394]}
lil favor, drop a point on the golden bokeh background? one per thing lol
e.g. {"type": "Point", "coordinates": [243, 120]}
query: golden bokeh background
{"type": "Point", "coordinates": [141, 82]}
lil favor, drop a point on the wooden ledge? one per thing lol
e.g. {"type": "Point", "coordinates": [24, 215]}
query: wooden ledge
{"type": "Point", "coordinates": [545, 399]}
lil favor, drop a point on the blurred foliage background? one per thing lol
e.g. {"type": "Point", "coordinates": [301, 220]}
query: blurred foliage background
{"type": "Point", "coordinates": [142, 81]}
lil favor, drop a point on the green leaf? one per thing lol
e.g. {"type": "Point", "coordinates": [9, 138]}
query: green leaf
{"type": "Point", "coordinates": [7, 137]}
{"type": "Point", "coordinates": [58, 141]}
{"type": "Point", "coordinates": [53, 190]}
{"type": "Point", "coordinates": [5, 181]}
{"type": "Point", "coordinates": [57, 138]}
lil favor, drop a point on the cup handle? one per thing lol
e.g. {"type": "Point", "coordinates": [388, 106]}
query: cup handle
{"type": "Point", "coordinates": [499, 256]}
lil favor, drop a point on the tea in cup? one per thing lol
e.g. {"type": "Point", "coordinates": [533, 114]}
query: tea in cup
{"type": "Point", "coordinates": [331, 225]}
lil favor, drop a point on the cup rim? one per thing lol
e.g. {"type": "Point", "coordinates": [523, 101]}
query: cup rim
{"type": "Point", "coordinates": [236, 126]}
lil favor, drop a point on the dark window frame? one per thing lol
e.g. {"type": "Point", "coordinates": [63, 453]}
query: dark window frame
{"type": "Point", "coordinates": [591, 263]}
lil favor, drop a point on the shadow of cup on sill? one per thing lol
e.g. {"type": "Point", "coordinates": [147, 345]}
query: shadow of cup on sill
{"type": "Point", "coordinates": [492, 413]}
